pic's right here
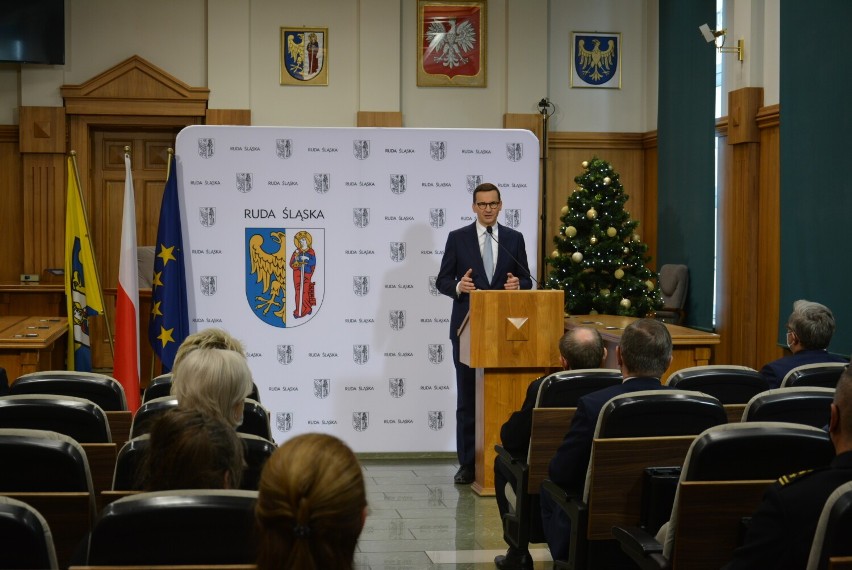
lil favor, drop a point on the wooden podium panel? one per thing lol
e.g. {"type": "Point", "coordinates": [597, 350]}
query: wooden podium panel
{"type": "Point", "coordinates": [510, 338]}
{"type": "Point", "coordinates": [32, 344]}
{"type": "Point", "coordinates": [690, 347]}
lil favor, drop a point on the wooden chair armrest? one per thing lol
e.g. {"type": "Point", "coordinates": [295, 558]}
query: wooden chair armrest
{"type": "Point", "coordinates": [641, 547]}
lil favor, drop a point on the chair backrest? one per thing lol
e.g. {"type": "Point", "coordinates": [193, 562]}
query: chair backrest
{"type": "Point", "coordinates": [824, 375]}
{"type": "Point", "coordinates": [146, 413]}
{"type": "Point", "coordinates": [25, 528]}
{"type": "Point", "coordinates": [657, 413]}
{"type": "Point", "coordinates": [728, 384]}
{"type": "Point", "coordinates": [80, 419]}
{"type": "Point", "coordinates": [806, 405]}
{"type": "Point", "coordinates": [105, 391]}
{"type": "Point", "coordinates": [549, 426]}
{"type": "Point", "coordinates": [833, 529]}
{"type": "Point", "coordinates": [180, 527]}
{"type": "Point", "coordinates": [563, 389]}
{"type": "Point", "coordinates": [255, 420]}
{"type": "Point", "coordinates": [161, 386]}
{"type": "Point", "coordinates": [674, 283]}
{"type": "Point", "coordinates": [257, 451]}
{"type": "Point", "coordinates": [128, 462]}
{"type": "Point", "coordinates": [736, 462]}
{"type": "Point", "coordinates": [38, 460]}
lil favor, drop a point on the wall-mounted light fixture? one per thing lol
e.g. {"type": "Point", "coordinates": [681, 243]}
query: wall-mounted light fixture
{"type": "Point", "coordinates": [711, 35]}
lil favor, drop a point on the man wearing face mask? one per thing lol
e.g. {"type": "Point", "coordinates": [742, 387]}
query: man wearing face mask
{"type": "Point", "coordinates": [809, 331]}
{"type": "Point", "coordinates": [482, 255]}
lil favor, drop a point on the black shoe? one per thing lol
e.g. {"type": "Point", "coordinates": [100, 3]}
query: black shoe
{"type": "Point", "coordinates": [465, 475]}
{"type": "Point", "coordinates": [514, 559]}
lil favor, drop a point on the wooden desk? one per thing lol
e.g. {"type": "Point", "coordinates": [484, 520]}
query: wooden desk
{"type": "Point", "coordinates": [32, 299]}
{"type": "Point", "coordinates": [691, 347]}
{"type": "Point", "coordinates": [32, 344]}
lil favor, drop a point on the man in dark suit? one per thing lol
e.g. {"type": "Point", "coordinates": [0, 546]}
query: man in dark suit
{"type": "Point", "coordinates": [644, 354]}
{"type": "Point", "coordinates": [483, 255]}
{"type": "Point", "coordinates": [782, 529]}
{"type": "Point", "coordinates": [809, 331]}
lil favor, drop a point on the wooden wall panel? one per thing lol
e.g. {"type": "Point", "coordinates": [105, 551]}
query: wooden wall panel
{"type": "Point", "coordinates": [44, 189]}
{"type": "Point", "coordinates": [379, 119]}
{"type": "Point", "coordinates": [228, 117]}
{"type": "Point", "coordinates": [650, 185]}
{"type": "Point", "coordinates": [12, 211]}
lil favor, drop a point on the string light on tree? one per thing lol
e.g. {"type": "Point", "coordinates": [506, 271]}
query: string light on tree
{"type": "Point", "coordinates": [599, 260]}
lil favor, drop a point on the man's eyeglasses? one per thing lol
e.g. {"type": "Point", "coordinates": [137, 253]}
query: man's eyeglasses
{"type": "Point", "coordinates": [487, 205]}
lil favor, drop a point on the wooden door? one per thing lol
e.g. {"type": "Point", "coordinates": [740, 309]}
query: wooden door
{"type": "Point", "coordinates": [149, 159]}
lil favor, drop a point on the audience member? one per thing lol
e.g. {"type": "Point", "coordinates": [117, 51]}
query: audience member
{"type": "Point", "coordinates": [644, 354]}
{"type": "Point", "coordinates": [189, 449]}
{"type": "Point", "coordinates": [579, 348]}
{"type": "Point", "coordinates": [809, 331]}
{"type": "Point", "coordinates": [782, 529]}
{"type": "Point", "coordinates": [208, 338]}
{"type": "Point", "coordinates": [214, 381]}
{"type": "Point", "coordinates": [311, 505]}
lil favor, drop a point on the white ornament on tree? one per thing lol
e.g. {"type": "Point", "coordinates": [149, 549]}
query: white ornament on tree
{"type": "Point", "coordinates": [585, 164]}
{"type": "Point", "coordinates": [625, 303]}
{"type": "Point", "coordinates": [606, 180]}
{"type": "Point", "coordinates": [577, 257]}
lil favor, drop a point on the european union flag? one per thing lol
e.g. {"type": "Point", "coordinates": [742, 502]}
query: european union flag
{"type": "Point", "coordinates": [169, 321]}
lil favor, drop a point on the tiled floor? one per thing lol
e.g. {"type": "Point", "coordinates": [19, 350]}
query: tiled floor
{"type": "Point", "coordinates": [419, 519]}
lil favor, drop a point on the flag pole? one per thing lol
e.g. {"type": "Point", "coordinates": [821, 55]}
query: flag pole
{"type": "Point", "coordinates": [73, 154]}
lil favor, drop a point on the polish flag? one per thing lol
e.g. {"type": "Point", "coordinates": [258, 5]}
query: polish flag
{"type": "Point", "coordinates": [126, 365]}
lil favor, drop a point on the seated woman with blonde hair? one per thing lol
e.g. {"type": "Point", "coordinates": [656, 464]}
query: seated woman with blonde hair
{"type": "Point", "coordinates": [213, 381]}
{"type": "Point", "coordinates": [311, 505]}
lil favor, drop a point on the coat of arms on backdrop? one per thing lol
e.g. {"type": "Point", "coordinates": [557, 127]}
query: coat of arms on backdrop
{"type": "Point", "coordinates": [304, 56]}
{"type": "Point", "coordinates": [284, 274]}
{"type": "Point", "coordinates": [451, 43]}
{"type": "Point", "coordinates": [596, 60]}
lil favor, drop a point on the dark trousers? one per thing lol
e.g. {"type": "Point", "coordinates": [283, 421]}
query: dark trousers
{"type": "Point", "coordinates": [502, 475]}
{"type": "Point", "coordinates": [465, 409]}
{"type": "Point", "coordinates": [557, 527]}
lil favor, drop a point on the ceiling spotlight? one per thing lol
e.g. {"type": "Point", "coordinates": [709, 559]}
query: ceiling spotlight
{"type": "Point", "coordinates": [711, 35]}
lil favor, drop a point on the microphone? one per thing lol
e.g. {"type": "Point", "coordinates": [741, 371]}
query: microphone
{"type": "Point", "coordinates": [490, 231]}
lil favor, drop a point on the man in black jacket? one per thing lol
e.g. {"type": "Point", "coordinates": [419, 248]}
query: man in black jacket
{"type": "Point", "coordinates": [579, 348]}
{"type": "Point", "coordinates": [782, 529]}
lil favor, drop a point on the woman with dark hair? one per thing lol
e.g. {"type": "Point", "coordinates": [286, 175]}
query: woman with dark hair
{"type": "Point", "coordinates": [311, 505]}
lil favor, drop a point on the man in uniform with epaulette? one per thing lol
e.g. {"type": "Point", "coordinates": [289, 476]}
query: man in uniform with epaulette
{"type": "Point", "coordinates": [783, 527]}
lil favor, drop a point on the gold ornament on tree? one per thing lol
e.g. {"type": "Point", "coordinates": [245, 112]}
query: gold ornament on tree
{"type": "Point", "coordinates": [606, 181]}
{"type": "Point", "coordinates": [625, 303]}
{"type": "Point", "coordinates": [619, 273]}
{"type": "Point", "coordinates": [555, 254]}
{"type": "Point", "coordinates": [570, 231]}
{"type": "Point", "coordinates": [585, 164]}
{"type": "Point", "coordinates": [593, 240]}
{"type": "Point", "coordinates": [610, 231]}
{"type": "Point", "coordinates": [649, 284]}
{"type": "Point", "coordinates": [592, 214]}
{"type": "Point", "coordinates": [577, 257]}
{"type": "Point", "coordinates": [564, 210]}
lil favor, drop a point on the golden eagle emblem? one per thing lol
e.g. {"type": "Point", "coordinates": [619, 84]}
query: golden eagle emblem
{"type": "Point", "coordinates": [595, 63]}
{"type": "Point", "coordinates": [270, 269]}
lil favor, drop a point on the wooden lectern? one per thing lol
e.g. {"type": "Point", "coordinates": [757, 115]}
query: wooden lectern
{"type": "Point", "coordinates": [511, 338]}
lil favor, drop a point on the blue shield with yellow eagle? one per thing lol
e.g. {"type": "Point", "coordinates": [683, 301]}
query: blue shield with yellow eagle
{"type": "Point", "coordinates": [284, 274]}
{"type": "Point", "coordinates": [304, 54]}
{"type": "Point", "coordinates": [596, 60]}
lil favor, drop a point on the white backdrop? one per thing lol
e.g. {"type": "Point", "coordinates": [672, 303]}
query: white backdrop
{"type": "Point", "coordinates": [372, 362]}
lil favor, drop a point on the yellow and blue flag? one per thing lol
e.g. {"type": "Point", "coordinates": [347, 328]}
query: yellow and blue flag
{"type": "Point", "coordinates": [82, 288]}
{"type": "Point", "coordinates": [169, 320]}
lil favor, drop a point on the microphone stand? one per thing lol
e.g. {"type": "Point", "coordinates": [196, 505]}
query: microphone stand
{"type": "Point", "coordinates": [546, 108]}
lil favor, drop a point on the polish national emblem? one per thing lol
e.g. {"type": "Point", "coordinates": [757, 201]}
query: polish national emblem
{"type": "Point", "coordinates": [473, 180]}
{"type": "Point", "coordinates": [396, 387]}
{"type": "Point", "coordinates": [596, 58]}
{"type": "Point", "coordinates": [274, 298]}
{"type": "Point", "coordinates": [208, 285]}
{"type": "Point", "coordinates": [207, 216]}
{"type": "Point", "coordinates": [361, 149]}
{"type": "Point", "coordinates": [244, 182]}
{"type": "Point", "coordinates": [361, 217]}
{"type": "Point", "coordinates": [322, 386]}
{"type": "Point", "coordinates": [438, 150]}
{"type": "Point", "coordinates": [433, 285]}
{"type": "Point", "coordinates": [398, 182]}
{"type": "Point", "coordinates": [514, 151]}
{"type": "Point", "coordinates": [284, 421]}
{"type": "Point", "coordinates": [437, 217]}
{"type": "Point", "coordinates": [360, 420]}
{"type": "Point", "coordinates": [361, 285]}
{"type": "Point", "coordinates": [512, 217]}
{"type": "Point", "coordinates": [322, 182]}
{"type": "Point", "coordinates": [436, 420]}
{"type": "Point", "coordinates": [397, 319]}
{"type": "Point", "coordinates": [397, 251]}
{"type": "Point", "coordinates": [284, 352]}
{"type": "Point", "coordinates": [436, 353]}
{"type": "Point", "coordinates": [206, 148]}
{"type": "Point", "coordinates": [284, 148]}
{"type": "Point", "coordinates": [361, 353]}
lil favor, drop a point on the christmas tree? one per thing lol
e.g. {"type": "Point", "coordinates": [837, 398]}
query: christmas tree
{"type": "Point", "coordinates": [599, 260]}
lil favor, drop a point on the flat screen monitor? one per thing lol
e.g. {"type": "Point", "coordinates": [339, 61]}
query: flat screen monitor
{"type": "Point", "coordinates": [32, 31]}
